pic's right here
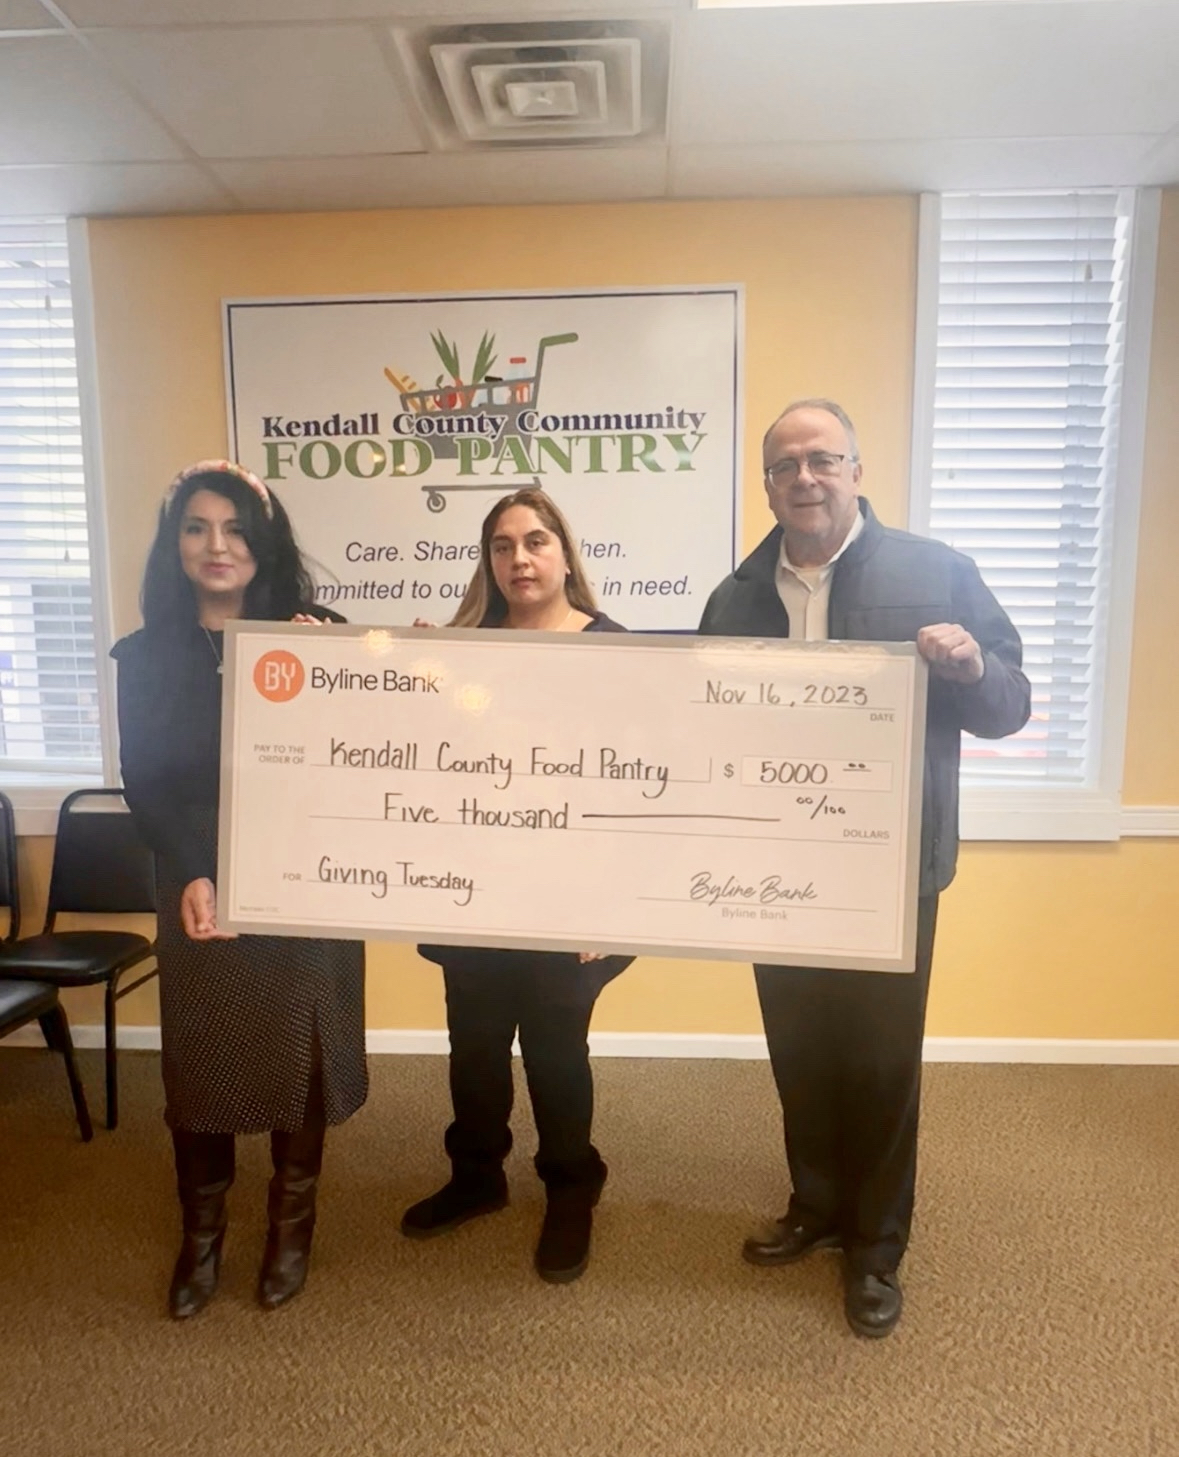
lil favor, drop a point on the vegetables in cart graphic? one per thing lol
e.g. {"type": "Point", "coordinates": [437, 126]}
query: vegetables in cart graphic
{"type": "Point", "coordinates": [504, 397]}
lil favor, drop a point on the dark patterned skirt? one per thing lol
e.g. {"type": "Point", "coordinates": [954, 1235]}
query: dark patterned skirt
{"type": "Point", "coordinates": [242, 1022]}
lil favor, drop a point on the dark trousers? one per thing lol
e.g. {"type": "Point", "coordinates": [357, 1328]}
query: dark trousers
{"type": "Point", "coordinates": [550, 1000]}
{"type": "Point", "coordinates": [845, 1048]}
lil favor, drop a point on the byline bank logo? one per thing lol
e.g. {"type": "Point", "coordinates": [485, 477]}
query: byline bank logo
{"type": "Point", "coordinates": [279, 676]}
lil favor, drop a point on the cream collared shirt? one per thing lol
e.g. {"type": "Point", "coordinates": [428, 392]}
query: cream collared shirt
{"type": "Point", "coordinates": [806, 591]}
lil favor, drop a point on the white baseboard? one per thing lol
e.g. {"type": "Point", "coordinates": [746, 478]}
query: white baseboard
{"type": "Point", "coordinates": [679, 1044]}
{"type": "Point", "coordinates": [91, 1035]}
{"type": "Point", "coordinates": [937, 1049]}
{"type": "Point", "coordinates": [1157, 1052]}
{"type": "Point", "coordinates": [412, 1039]}
{"type": "Point", "coordinates": [1110, 1051]}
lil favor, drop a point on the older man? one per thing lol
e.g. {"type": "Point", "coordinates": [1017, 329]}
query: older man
{"type": "Point", "coordinates": [845, 1046]}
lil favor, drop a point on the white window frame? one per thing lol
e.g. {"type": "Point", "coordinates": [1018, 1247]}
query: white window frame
{"type": "Point", "coordinates": [1064, 812]}
{"type": "Point", "coordinates": [36, 798]}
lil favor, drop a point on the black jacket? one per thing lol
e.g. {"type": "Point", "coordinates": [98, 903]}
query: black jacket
{"type": "Point", "coordinates": [169, 705]}
{"type": "Point", "coordinates": [886, 586]}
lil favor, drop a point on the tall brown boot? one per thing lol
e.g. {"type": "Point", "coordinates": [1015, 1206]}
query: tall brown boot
{"type": "Point", "coordinates": [298, 1158]}
{"type": "Point", "coordinates": [204, 1172]}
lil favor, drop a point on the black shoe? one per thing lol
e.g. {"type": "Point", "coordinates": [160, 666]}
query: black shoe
{"type": "Point", "coordinates": [563, 1251]}
{"type": "Point", "coordinates": [872, 1303]}
{"type": "Point", "coordinates": [789, 1241]}
{"type": "Point", "coordinates": [452, 1205]}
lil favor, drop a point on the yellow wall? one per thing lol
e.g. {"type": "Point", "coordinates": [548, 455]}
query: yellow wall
{"type": "Point", "coordinates": [1036, 940]}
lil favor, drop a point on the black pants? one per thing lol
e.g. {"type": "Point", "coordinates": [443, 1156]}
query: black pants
{"type": "Point", "coordinates": [845, 1048]}
{"type": "Point", "coordinates": [550, 999]}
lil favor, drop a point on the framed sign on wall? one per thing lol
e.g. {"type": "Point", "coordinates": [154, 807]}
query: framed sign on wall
{"type": "Point", "coordinates": [389, 426]}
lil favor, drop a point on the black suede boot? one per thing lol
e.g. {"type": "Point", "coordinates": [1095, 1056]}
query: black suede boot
{"type": "Point", "coordinates": [563, 1251]}
{"type": "Point", "coordinates": [477, 1184]}
{"type": "Point", "coordinates": [473, 1189]}
{"type": "Point", "coordinates": [297, 1158]}
{"type": "Point", "coordinates": [204, 1172]}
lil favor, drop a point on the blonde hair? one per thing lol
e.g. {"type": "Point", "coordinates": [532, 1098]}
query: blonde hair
{"type": "Point", "coordinates": [483, 604]}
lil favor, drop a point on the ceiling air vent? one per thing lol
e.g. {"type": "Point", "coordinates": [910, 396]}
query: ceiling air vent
{"type": "Point", "coordinates": [539, 84]}
{"type": "Point", "coordinates": [512, 92]}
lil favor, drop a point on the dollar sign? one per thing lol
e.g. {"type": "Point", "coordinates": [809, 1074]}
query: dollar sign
{"type": "Point", "coordinates": [728, 771]}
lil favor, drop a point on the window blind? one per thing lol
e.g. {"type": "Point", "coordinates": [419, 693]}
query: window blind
{"type": "Point", "coordinates": [1030, 336]}
{"type": "Point", "coordinates": [48, 685]}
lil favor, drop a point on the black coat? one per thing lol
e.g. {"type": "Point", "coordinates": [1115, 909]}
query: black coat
{"type": "Point", "coordinates": [885, 587]}
{"type": "Point", "coordinates": [169, 697]}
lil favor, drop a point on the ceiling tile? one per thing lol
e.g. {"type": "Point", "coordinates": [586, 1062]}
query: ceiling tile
{"type": "Point", "coordinates": [197, 12]}
{"type": "Point", "coordinates": [808, 99]}
{"type": "Point", "coordinates": [149, 187]}
{"type": "Point", "coordinates": [292, 91]}
{"type": "Point", "coordinates": [581, 175]}
{"type": "Point", "coordinates": [57, 105]}
{"type": "Point", "coordinates": [786, 169]}
{"type": "Point", "coordinates": [891, 72]}
{"type": "Point", "coordinates": [25, 15]}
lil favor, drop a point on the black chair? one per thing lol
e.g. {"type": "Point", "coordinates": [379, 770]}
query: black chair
{"type": "Point", "coordinates": [23, 1001]}
{"type": "Point", "coordinates": [100, 867]}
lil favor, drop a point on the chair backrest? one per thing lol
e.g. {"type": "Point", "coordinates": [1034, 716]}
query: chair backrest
{"type": "Point", "coordinates": [9, 876]}
{"type": "Point", "coordinates": [100, 865]}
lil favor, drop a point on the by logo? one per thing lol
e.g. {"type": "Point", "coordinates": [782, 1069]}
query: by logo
{"type": "Point", "coordinates": [278, 676]}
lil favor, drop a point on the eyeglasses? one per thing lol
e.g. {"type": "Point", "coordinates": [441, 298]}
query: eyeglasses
{"type": "Point", "coordinates": [822, 464]}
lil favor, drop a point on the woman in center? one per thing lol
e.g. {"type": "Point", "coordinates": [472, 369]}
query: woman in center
{"type": "Point", "coordinates": [529, 576]}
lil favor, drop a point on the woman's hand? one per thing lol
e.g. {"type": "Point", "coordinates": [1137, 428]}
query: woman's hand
{"type": "Point", "coordinates": [198, 912]}
{"type": "Point", "coordinates": [421, 622]}
{"type": "Point", "coordinates": [584, 956]}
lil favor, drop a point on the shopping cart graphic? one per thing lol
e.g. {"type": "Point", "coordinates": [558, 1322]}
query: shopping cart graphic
{"type": "Point", "coordinates": [436, 495]}
{"type": "Point", "coordinates": [504, 399]}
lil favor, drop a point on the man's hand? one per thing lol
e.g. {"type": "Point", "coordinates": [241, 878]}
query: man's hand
{"type": "Point", "coordinates": [198, 912]}
{"type": "Point", "coordinates": [306, 619]}
{"type": "Point", "coordinates": [951, 652]}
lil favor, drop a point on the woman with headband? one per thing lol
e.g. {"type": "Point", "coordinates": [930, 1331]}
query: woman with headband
{"type": "Point", "coordinates": [262, 1034]}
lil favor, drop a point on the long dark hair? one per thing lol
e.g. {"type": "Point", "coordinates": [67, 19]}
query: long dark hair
{"type": "Point", "coordinates": [483, 604]}
{"type": "Point", "coordinates": [281, 586]}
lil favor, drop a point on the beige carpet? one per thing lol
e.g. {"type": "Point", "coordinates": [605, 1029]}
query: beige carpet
{"type": "Point", "coordinates": [1042, 1311]}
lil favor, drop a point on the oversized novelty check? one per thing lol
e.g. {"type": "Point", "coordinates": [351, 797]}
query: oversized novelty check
{"type": "Point", "coordinates": [742, 799]}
